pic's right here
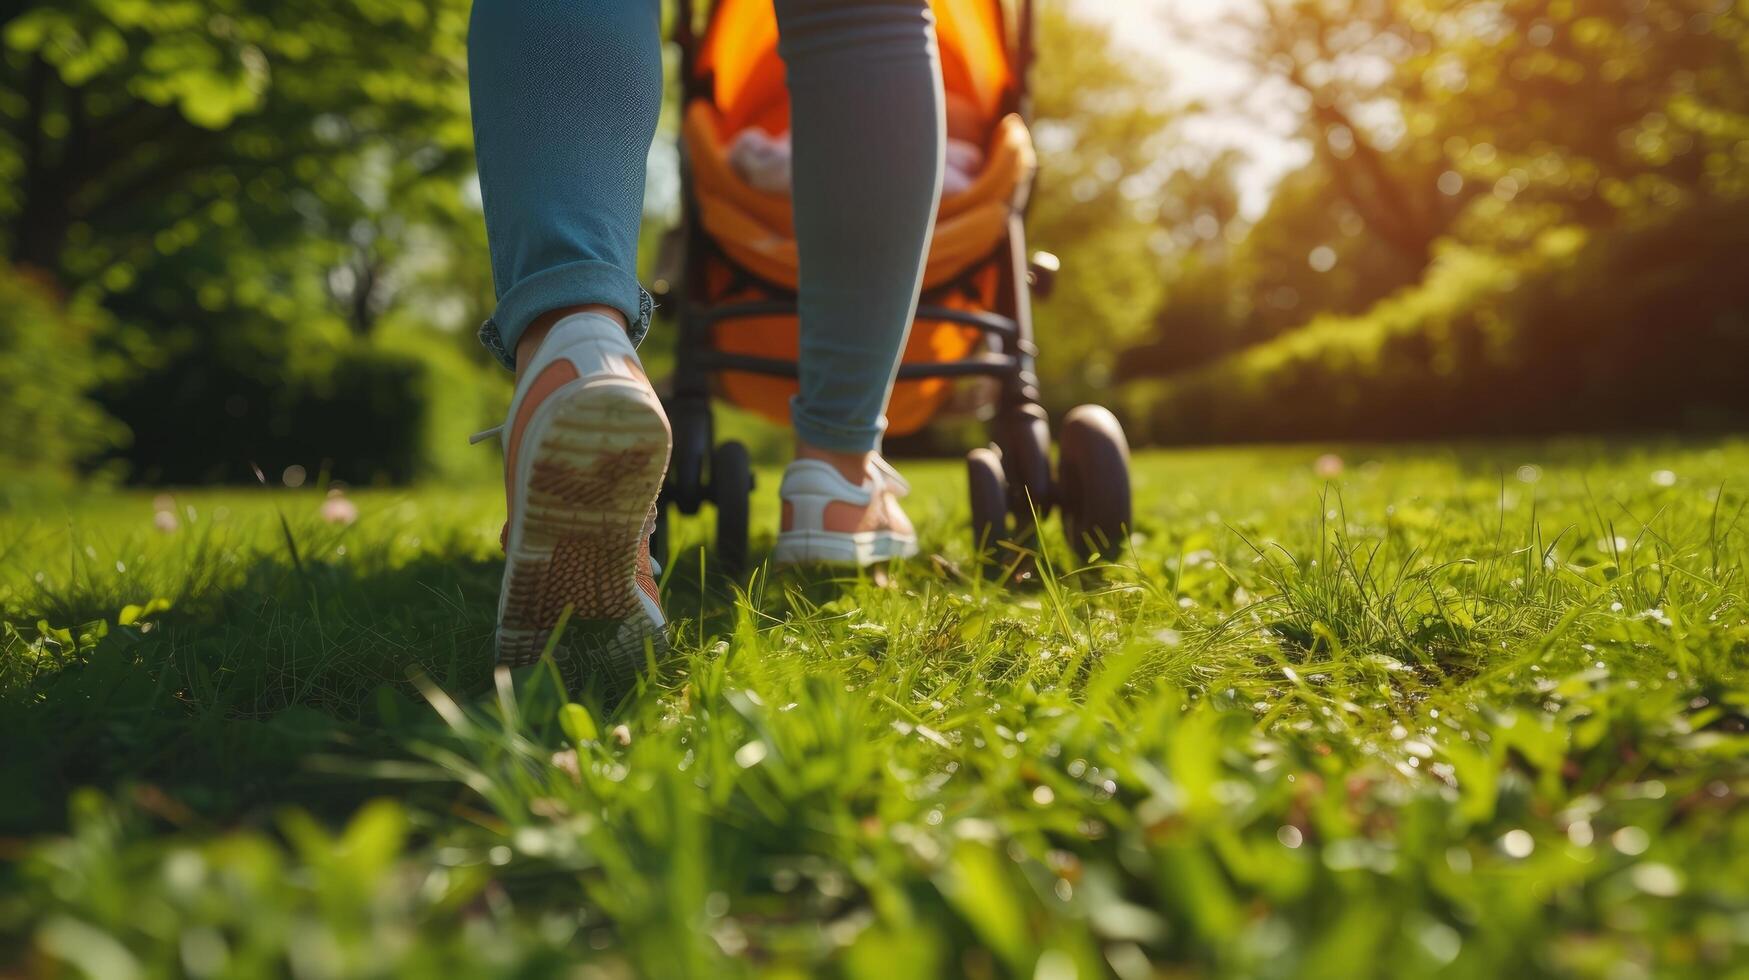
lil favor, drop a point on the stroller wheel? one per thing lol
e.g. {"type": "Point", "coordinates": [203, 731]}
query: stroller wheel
{"type": "Point", "coordinates": [732, 492]}
{"type": "Point", "coordinates": [1025, 442]}
{"type": "Point", "coordinates": [1094, 479]}
{"type": "Point", "coordinates": [659, 536]}
{"type": "Point", "coordinates": [989, 491]}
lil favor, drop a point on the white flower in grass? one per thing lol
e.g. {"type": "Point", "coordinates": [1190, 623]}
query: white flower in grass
{"type": "Point", "coordinates": [337, 509]}
{"type": "Point", "coordinates": [164, 513]}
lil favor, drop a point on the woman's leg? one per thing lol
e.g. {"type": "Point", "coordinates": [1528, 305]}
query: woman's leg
{"type": "Point", "coordinates": [565, 97]}
{"type": "Point", "coordinates": [868, 128]}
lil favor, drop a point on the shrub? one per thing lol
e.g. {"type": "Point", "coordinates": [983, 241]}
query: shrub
{"type": "Point", "coordinates": [1647, 328]}
{"type": "Point", "coordinates": [342, 408]}
{"type": "Point", "coordinates": [48, 421]}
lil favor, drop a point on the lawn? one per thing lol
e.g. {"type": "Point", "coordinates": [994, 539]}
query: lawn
{"type": "Point", "coordinates": [1473, 711]}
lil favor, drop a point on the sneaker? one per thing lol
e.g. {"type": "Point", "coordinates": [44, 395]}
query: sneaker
{"type": "Point", "coordinates": [828, 520]}
{"type": "Point", "coordinates": [585, 453]}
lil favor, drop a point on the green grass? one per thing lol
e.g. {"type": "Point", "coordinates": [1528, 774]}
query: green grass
{"type": "Point", "coordinates": [1474, 711]}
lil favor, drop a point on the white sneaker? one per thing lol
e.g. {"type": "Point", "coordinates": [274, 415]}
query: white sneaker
{"type": "Point", "coordinates": [586, 448]}
{"type": "Point", "coordinates": [828, 520]}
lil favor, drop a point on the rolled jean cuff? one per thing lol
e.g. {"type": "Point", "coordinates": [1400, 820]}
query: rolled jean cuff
{"type": "Point", "coordinates": [575, 284]}
{"type": "Point", "coordinates": [821, 434]}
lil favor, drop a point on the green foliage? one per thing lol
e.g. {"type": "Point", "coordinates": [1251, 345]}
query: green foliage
{"type": "Point", "coordinates": [1098, 124]}
{"type": "Point", "coordinates": [1498, 128]}
{"type": "Point", "coordinates": [1411, 722]}
{"type": "Point", "coordinates": [135, 130]}
{"type": "Point", "coordinates": [47, 367]}
{"type": "Point", "coordinates": [113, 901]}
{"type": "Point", "coordinates": [239, 185]}
{"type": "Point", "coordinates": [1306, 256]}
{"type": "Point", "coordinates": [1640, 329]}
{"type": "Point", "coordinates": [357, 411]}
{"type": "Point", "coordinates": [1587, 111]}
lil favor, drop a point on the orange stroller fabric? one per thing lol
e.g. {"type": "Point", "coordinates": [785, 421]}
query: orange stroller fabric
{"type": "Point", "coordinates": [756, 231]}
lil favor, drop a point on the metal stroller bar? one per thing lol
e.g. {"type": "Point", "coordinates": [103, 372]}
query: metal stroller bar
{"type": "Point", "coordinates": [988, 322]}
{"type": "Point", "coordinates": [982, 366]}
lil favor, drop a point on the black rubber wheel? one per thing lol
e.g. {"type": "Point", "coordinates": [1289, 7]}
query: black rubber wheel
{"type": "Point", "coordinates": [1025, 441]}
{"type": "Point", "coordinates": [1094, 480]}
{"type": "Point", "coordinates": [691, 420]}
{"type": "Point", "coordinates": [659, 537]}
{"type": "Point", "coordinates": [732, 492]}
{"type": "Point", "coordinates": [989, 492]}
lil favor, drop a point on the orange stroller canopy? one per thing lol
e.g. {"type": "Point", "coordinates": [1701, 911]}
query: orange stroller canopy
{"type": "Point", "coordinates": [739, 55]}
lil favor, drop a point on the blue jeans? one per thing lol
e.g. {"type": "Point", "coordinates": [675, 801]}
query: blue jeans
{"type": "Point", "coordinates": [565, 99]}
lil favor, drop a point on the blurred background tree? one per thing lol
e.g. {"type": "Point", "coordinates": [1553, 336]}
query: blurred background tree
{"type": "Point", "coordinates": [1102, 132]}
{"type": "Point", "coordinates": [249, 187]}
{"type": "Point", "coordinates": [1529, 198]}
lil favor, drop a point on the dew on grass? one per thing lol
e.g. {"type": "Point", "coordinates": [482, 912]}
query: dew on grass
{"type": "Point", "coordinates": [1055, 965]}
{"type": "Point", "coordinates": [1655, 614]}
{"type": "Point", "coordinates": [1663, 478]}
{"type": "Point", "coordinates": [1529, 473]}
{"type": "Point", "coordinates": [1290, 836]}
{"type": "Point", "coordinates": [751, 754]}
{"type": "Point", "coordinates": [1630, 840]}
{"type": "Point", "coordinates": [1656, 879]}
{"type": "Point", "coordinates": [294, 476]}
{"type": "Point", "coordinates": [1442, 942]}
{"type": "Point", "coordinates": [1517, 843]}
{"type": "Point", "coordinates": [166, 522]}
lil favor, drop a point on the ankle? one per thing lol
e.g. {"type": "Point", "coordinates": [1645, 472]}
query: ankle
{"type": "Point", "coordinates": [529, 343]}
{"type": "Point", "coordinates": [852, 466]}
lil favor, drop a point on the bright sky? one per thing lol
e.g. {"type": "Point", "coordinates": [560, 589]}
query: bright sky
{"type": "Point", "coordinates": [1262, 131]}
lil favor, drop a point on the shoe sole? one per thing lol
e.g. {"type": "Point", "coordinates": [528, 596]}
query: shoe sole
{"type": "Point", "coordinates": [861, 549]}
{"type": "Point", "coordinates": [593, 458]}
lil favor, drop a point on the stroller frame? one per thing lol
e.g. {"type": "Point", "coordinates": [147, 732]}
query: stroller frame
{"type": "Point", "coordinates": [1012, 484]}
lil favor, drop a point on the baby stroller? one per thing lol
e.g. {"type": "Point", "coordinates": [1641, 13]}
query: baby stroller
{"type": "Point", "coordinates": [729, 277]}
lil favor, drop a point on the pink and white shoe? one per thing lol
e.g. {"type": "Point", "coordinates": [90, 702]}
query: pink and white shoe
{"type": "Point", "coordinates": [827, 520]}
{"type": "Point", "coordinates": [585, 450]}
